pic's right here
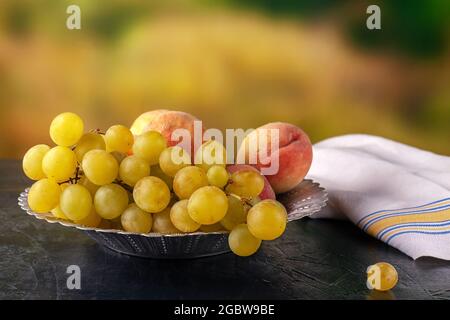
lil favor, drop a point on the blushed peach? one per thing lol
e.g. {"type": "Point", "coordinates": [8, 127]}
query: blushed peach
{"type": "Point", "coordinates": [267, 192]}
{"type": "Point", "coordinates": [144, 119]}
{"type": "Point", "coordinates": [167, 122]}
{"type": "Point", "coordinates": [294, 154]}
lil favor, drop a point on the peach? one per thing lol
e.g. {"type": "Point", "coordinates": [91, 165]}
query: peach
{"type": "Point", "coordinates": [144, 119]}
{"type": "Point", "coordinates": [294, 154]}
{"type": "Point", "coordinates": [166, 122]}
{"type": "Point", "coordinates": [267, 192]}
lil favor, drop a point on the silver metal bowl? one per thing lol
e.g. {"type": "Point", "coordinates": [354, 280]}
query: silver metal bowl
{"type": "Point", "coordinates": [307, 198]}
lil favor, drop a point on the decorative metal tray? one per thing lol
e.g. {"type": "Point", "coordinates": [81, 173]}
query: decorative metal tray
{"type": "Point", "coordinates": [307, 198]}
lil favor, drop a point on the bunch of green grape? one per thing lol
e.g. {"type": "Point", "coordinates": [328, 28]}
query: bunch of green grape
{"type": "Point", "coordinates": [115, 180]}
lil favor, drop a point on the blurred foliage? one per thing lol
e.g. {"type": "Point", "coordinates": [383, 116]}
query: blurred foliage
{"type": "Point", "coordinates": [232, 64]}
{"type": "Point", "coordinates": [416, 27]}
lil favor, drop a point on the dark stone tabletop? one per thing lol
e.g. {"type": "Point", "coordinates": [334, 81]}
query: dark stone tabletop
{"type": "Point", "coordinates": [315, 259]}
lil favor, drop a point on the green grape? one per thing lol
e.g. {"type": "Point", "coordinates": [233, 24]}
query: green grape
{"type": "Point", "coordinates": [44, 195]}
{"type": "Point", "coordinates": [157, 172]}
{"type": "Point", "coordinates": [242, 242]}
{"type": "Point", "coordinates": [267, 219]}
{"type": "Point", "coordinates": [187, 180]}
{"type": "Point", "coordinates": [92, 220]}
{"type": "Point", "coordinates": [246, 184]}
{"type": "Point", "coordinates": [92, 188]}
{"type": "Point", "coordinates": [66, 129]}
{"type": "Point", "coordinates": [208, 205]}
{"type": "Point", "coordinates": [100, 167]}
{"type": "Point", "coordinates": [110, 201]}
{"type": "Point", "coordinates": [236, 213]}
{"type": "Point", "coordinates": [174, 159]}
{"type": "Point", "coordinates": [59, 163]}
{"type": "Point", "coordinates": [134, 219]}
{"type": "Point", "coordinates": [217, 176]}
{"type": "Point", "coordinates": [119, 138]}
{"type": "Point", "coordinates": [149, 146]}
{"type": "Point", "coordinates": [57, 213]}
{"type": "Point", "coordinates": [151, 194]}
{"type": "Point", "coordinates": [89, 141]}
{"type": "Point", "coordinates": [210, 153]}
{"type": "Point", "coordinates": [76, 202]}
{"type": "Point", "coordinates": [180, 217]}
{"type": "Point", "coordinates": [162, 223]}
{"type": "Point", "coordinates": [32, 161]}
{"type": "Point", "coordinates": [132, 169]}
{"type": "Point", "coordinates": [211, 227]}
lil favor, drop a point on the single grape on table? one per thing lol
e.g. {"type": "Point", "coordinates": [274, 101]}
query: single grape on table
{"type": "Point", "coordinates": [141, 183]}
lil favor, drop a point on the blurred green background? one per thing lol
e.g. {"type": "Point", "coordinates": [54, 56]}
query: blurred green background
{"type": "Point", "coordinates": [232, 63]}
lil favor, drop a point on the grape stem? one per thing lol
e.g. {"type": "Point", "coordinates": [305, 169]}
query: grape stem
{"type": "Point", "coordinates": [124, 185]}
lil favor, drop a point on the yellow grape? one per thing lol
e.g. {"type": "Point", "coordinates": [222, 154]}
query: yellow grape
{"type": "Point", "coordinates": [44, 195]}
{"type": "Point", "coordinates": [92, 188]}
{"type": "Point", "coordinates": [76, 202]}
{"type": "Point", "coordinates": [92, 220]}
{"type": "Point", "coordinates": [187, 180]}
{"type": "Point", "coordinates": [132, 169]}
{"type": "Point", "coordinates": [157, 172]}
{"type": "Point", "coordinates": [66, 129]}
{"type": "Point", "coordinates": [119, 138]}
{"type": "Point", "coordinates": [211, 227]}
{"type": "Point", "coordinates": [151, 194]}
{"type": "Point", "coordinates": [180, 217]}
{"type": "Point", "coordinates": [89, 141]}
{"type": "Point", "coordinates": [100, 167]}
{"type": "Point", "coordinates": [385, 279]}
{"type": "Point", "coordinates": [110, 201]}
{"type": "Point", "coordinates": [174, 159]}
{"type": "Point", "coordinates": [208, 205]}
{"type": "Point", "coordinates": [57, 213]}
{"type": "Point", "coordinates": [162, 223]}
{"type": "Point", "coordinates": [267, 219]}
{"type": "Point", "coordinates": [134, 219]}
{"type": "Point", "coordinates": [246, 184]}
{"type": "Point", "coordinates": [236, 213]}
{"type": "Point", "coordinates": [32, 161]}
{"type": "Point", "coordinates": [149, 146]}
{"type": "Point", "coordinates": [242, 242]}
{"type": "Point", "coordinates": [119, 156]}
{"type": "Point", "coordinates": [217, 176]}
{"type": "Point", "coordinates": [210, 153]}
{"type": "Point", "coordinates": [59, 163]}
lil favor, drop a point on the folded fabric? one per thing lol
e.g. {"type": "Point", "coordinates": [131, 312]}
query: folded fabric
{"type": "Point", "coordinates": [396, 193]}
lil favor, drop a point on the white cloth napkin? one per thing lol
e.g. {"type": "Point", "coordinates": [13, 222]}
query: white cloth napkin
{"type": "Point", "coordinates": [394, 192]}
